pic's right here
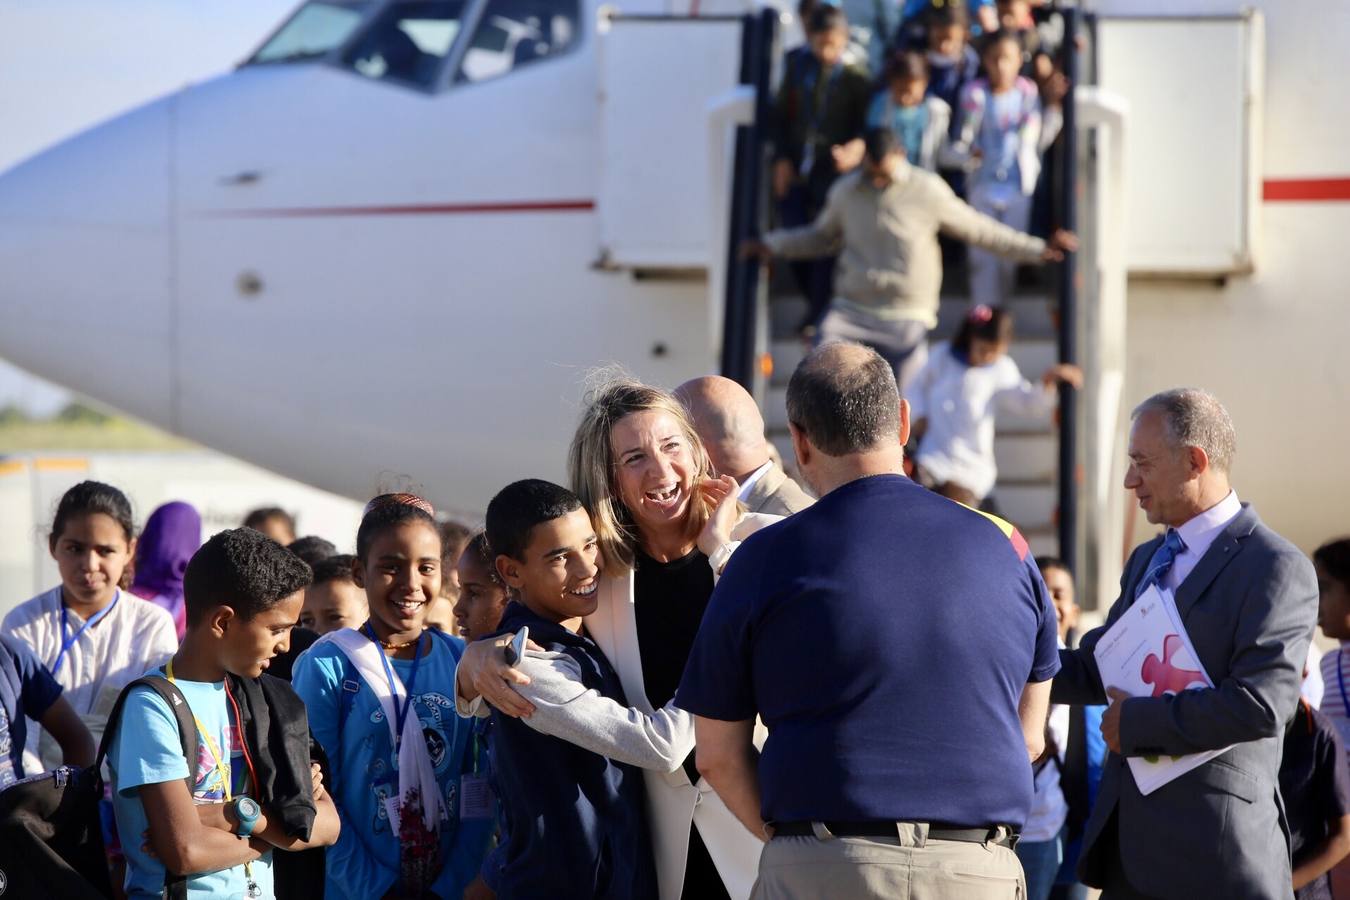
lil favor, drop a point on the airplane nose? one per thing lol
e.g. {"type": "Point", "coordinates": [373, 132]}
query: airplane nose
{"type": "Point", "coordinates": [86, 262]}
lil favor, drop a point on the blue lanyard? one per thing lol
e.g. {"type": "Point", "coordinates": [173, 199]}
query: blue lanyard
{"type": "Point", "coordinates": [400, 713]}
{"type": "Point", "coordinates": [1340, 680]}
{"type": "Point", "coordinates": [68, 640]}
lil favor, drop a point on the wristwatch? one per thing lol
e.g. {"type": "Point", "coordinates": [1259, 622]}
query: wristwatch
{"type": "Point", "coordinates": [246, 810]}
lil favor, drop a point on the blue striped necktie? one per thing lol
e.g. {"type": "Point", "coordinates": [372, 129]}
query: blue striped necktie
{"type": "Point", "coordinates": [1162, 560]}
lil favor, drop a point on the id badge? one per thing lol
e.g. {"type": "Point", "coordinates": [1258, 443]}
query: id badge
{"type": "Point", "coordinates": [476, 800]}
{"type": "Point", "coordinates": [391, 810]}
{"type": "Point", "coordinates": [386, 792]}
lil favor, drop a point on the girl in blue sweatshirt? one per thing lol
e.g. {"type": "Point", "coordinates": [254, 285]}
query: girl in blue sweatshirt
{"type": "Point", "coordinates": [414, 822]}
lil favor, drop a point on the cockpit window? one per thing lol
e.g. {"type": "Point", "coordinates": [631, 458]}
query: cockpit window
{"type": "Point", "coordinates": [315, 29]}
{"type": "Point", "coordinates": [515, 33]}
{"type": "Point", "coordinates": [408, 41]}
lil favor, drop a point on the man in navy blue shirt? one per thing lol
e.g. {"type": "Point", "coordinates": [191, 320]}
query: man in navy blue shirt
{"type": "Point", "coordinates": [899, 647]}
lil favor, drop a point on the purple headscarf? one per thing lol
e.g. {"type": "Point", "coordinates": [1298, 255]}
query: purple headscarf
{"type": "Point", "coordinates": [172, 534]}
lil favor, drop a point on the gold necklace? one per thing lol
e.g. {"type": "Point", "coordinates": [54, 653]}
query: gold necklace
{"type": "Point", "coordinates": [391, 646]}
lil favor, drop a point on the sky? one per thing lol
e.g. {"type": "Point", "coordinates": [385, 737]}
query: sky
{"type": "Point", "coordinates": [68, 64]}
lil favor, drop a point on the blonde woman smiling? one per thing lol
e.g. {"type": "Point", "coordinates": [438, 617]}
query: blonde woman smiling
{"type": "Point", "coordinates": [666, 527]}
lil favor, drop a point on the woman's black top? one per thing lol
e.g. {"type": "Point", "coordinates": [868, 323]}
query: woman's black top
{"type": "Point", "coordinates": [669, 601]}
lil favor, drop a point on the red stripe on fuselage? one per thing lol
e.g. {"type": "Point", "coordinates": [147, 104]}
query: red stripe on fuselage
{"type": "Point", "coordinates": [412, 209]}
{"type": "Point", "coordinates": [1275, 190]}
{"type": "Point", "coordinates": [1306, 190]}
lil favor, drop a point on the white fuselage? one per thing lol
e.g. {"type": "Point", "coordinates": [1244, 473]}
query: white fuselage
{"type": "Point", "coordinates": [362, 285]}
{"type": "Point", "coordinates": [344, 280]}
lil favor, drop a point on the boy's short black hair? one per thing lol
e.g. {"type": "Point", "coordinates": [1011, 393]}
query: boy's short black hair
{"type": "Point", "coordinates": [312, 549]}
{"type": "Point", "coordinates": [337, 567]}
{"type": "Point", "coordinates": [826, 18]}
{"type": "Point", "coordinates": [521, 505]}
{"type": "Point", "coordinates": [1052, 562]}
{"type": "Point", "coordinates": [243, 569]}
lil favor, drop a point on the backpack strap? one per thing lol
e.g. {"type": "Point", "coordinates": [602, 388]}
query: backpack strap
{"type": "Point", "coordinates": [347, 691]}
{"type": "Point", "coordinates": [171, 695]}
{"type": "Point", "coordinates": [175, 886]}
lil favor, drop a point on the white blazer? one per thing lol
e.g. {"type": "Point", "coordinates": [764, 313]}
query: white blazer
{"type": "Point", "coordinates": [673, 802]}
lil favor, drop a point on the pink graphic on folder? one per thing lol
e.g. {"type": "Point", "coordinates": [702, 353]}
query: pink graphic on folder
{"type": "Point", "coordinates": [1147, 653]}
{"type": "Point", "coordinates": [1163, 675]}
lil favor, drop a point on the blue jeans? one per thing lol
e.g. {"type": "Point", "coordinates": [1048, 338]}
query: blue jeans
{"type": "Point", "coordinates": [1040, 861]}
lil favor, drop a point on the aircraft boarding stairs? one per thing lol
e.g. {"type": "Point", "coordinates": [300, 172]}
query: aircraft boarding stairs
{"type": "Point", "coordinates": [709, 209]}
{"type": "Point", "coordinates": [1025, 449]}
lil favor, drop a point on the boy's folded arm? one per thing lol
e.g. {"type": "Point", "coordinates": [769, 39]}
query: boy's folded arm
{"type": "Point", "coordinates": [180, 840]}
{"type": "Point", "coordinates": [324, 833]}
{"type": "Point", "coordinates": [565, 708]}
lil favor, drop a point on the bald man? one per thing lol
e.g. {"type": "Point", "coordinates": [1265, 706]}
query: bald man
{"type": "Point", "coordinates": [732, 429]}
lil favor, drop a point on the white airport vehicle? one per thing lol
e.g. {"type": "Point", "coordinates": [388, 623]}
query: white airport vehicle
{"type": "Point", "coordinates": [398, 237]}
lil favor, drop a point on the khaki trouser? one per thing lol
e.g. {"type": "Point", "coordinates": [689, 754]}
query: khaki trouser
{"type": "Point", "coordinates": [906, 867]}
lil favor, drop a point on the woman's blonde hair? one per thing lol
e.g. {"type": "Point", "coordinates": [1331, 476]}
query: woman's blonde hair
{"type": "Point", "coordinates": [591, 465]}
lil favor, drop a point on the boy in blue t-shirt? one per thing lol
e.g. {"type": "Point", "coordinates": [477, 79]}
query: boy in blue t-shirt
{"type": "Point", "coordinates": [243, 594]}
{"type": "Point", "coordinates": [28, 691]}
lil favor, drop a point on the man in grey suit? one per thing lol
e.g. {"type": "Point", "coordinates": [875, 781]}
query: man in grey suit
{"type": "Point", "coordinates": [1248, 600]}
{"type": "Point", "coordinates": [732, 430]}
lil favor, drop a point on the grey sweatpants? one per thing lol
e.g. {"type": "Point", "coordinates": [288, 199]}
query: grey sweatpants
{"type": "Point", "coordinates": [901, 342]}
{"type": "Point", "coordinates": [907, 866]}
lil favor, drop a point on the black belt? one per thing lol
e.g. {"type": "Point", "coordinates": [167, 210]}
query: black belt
{"type": "Point", "coordinates": [1001, 835]}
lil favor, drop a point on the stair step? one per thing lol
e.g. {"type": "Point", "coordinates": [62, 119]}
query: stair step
{"type": "Point", "coordinates": [1030, 507]}
{"type": "Point", "coordinates": [1033, 315]}
{"type": "Point", "coordinates": [1008, 422]}
{"type": "Point", "coordinates": [1005, 423]}
{"type": "Point", "coordinates": [1026, 502]}
{"type": "Point", "coordinates": [1032, 355]}
{"type": "Point", "coordinates": [1043, 541]}
{"type": "Point", "coordinates": [1026, 456]}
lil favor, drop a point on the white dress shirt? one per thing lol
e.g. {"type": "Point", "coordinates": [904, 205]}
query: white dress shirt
{"type": "Point", "coordinates": [1199, 534]}
{"type": "Point", "coordinates": [750, 482]}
